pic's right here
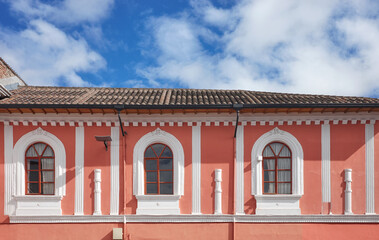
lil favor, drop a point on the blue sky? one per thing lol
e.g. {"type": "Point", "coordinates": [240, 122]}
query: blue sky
{"type": "Point", "coordinates": [313, 46]}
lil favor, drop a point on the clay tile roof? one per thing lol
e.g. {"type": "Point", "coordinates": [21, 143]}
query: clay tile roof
{"type": "Point", "coordinates": [150, 97]}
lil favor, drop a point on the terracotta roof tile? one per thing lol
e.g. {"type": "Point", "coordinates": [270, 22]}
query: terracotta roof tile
{"type": "Point", "coordinates": [169, 97]}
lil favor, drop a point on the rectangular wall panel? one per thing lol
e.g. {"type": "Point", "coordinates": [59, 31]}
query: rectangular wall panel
{"type": "Point", "coordinates": [115, 170]}
{"type": "Point", "coordinates": [325, 163]}
{"type": "Point", "coordinates": [196, 169]}
{"type": "Point", "coordinates": [239, 173]}
{"type": "Point", "coordinates": [370, 173]}
{"type": "Point", "coordinates": [9, 176]}
{"type": "Point", "coordinates": [79, 170]}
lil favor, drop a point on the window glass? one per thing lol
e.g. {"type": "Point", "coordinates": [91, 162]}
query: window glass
{"type": "Point", "coordinates": [277, 169]}
{"type": "Point", "coordinates": [158, 164]}
{"type": "Point", "coordinates": [39, 169]}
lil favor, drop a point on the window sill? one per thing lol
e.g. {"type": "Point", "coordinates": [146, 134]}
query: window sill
{"type": "Point", "coordinates": [158, 204]}
{"type": "Point", "coordinates": [278, 204]}
{"type": "Point", "coordinates": [38, 205]}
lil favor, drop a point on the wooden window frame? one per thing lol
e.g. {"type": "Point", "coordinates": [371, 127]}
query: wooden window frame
{"type": "Point", "coordinates": [39, 170]}
{"type": "Point", "coordinates": [276, 170]}
{"type": "Point", "coordinates": [158, 182]}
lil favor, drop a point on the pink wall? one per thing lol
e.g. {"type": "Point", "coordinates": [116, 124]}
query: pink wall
{"type": "Point", "coordinates": [190, 231]}
{"type": "Point", "coordinates": [347, 151]}
{"type": "Point", "coordinates": [347, 147]}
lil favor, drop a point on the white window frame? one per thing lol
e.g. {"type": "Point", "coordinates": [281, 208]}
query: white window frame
{"type": "Point", "coordinates": [31, 205]}
{"type": "Point", "coordinates": [277, 204]}
{"type": "Point", "coordinates": [158, 204]}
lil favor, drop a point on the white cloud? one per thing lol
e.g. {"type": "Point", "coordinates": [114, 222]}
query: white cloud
{"type": "Point", "coordinates": [316, 46]}
{"type": "Point", "coordinates": [44, 55]}
{"type": "Point", "coordinates": [67, 11]}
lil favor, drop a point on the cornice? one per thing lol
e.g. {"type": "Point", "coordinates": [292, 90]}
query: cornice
{"type": "Point", "coordinates": [217, 119]}
{"type": "Point", "coordinates": [188, 218]}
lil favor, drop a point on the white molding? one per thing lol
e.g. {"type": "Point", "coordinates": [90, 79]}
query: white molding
{"type": "Point", "coordinates": [158, 204]}
{"type": "Point", "coordinates": [79, 170]}
{"type": "Point", "coordinates": [370, 169]}
{"type": "Point", "coordinates": [348, 192]}
{"type": "Point", "coordinates": [9, 172]}
{"type": "Point", "coordinates": [40, 135]}
{"type": "Point", "coordinates": [23, 201]}
{"type": "Point", "coordinates": [115, 171]}
{"type": "Point", "coordinates": [204, 218]}
{"type": "Point", "coordinates": [278, 204]}
{"type": "Point", "coordinates": [264, 202]}
{"type": "Point", "coordinates": [297, 160]}
{"type": "Point", "coordinates": [97, 192]}
{"type": "Point", "coordinates": [196, 169]}
{"type": "Point", "coordinates": [199, 117]}
{"type": "Point", "coordinates": [157, 136]}
{"type": "Point", "coordinates": [325, 163]}
{"type": "Point", "coordinates": [239, 171]}
{"type": "Point", "coordinates": [218, 191]}
{"type": "Point", "coordinates": [29, 205]}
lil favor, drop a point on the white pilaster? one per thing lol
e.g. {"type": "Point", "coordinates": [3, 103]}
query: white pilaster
{"type": "Point", "coordinates": [115, 170]}
{"type": "Point", "coordinates": [325, 162]}
{"type": "Point", "coordinates": [370, 173]}
{"type": "Point", "coordinates": [239, 172]}
{"type": "Point", "coordinates": [97, 192]}
{"type": "Point", "coordinates": [348, 191]}
{"type": "Point", "coordinates": [79, 170]}
{"type": "Point", "coordinates": [218, 192]}
{"type": "Point", "coordinates": [196, 169]}
{"type": "Point", "coordinates": [9, 174]}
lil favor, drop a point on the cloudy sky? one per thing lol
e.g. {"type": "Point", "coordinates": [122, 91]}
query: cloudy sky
{"type": "Point", "coordinates": [312, 46]}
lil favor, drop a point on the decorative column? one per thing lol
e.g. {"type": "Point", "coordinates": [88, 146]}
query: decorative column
{"type": "Point", "coordinates": [97, 192]}
{"type": "Point", "coordinates": [348, 191]}
{"type": "Point", "coordinates": [218, 191]}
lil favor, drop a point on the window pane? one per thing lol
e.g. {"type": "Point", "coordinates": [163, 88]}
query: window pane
{"type": "Point", "coordinates": [284, 176]}
{"type": "Point", "coordinates": [48, 152]}
{"type": "Point", "coordinates": [33, 176]}
{"type": "Point", "coordinates": [276, 147]}
{"type": "Point", "coordinates": [269, 187]}
{"type": "Point", "coordinates": [269, 176]}
{"type": "Point", "coordinates": [267, 152]}
{"type": "Point", "coordinates": [39, 148]}
{"type": "Point", "coordinates": [166, 188]}
{"type": "Point", "coordinates": [151, 188]}
{"type": "Point", "coordinates": [284, 163]}
{"type": "Point", "coordinates": [166, 152]}
{"type": "Point", "coordinates": [47, 188]}
{"type": "Point", "coordinates": [285, 152]}
{"type": "Point", "coordinates": [33, 187]}
{"type": "Point", "coordinates": [47, 176]}
{"type": "Point", "coordinates": [31, 152]}
{"type": "Point", "coordinates": [284, 188]}
{"type": "Point", "coordinates": [165, 163]}
{"type": "Point", "coordinates": [269, 164]}
{"type": "Point", "coordinates": [165, 176]}
{"type": "Point", "coordinates": [32, 164]}
{"type": "Point", "coordinates": [151, 176]}
{"type": "Point", "coordinates": [151, 164]}
{"type": "Point", "coordinates": [158, 148]}
{"type": "Point", "coordinates": [47, 163]}
{"type": "Point", "coordinates": [150, 153]}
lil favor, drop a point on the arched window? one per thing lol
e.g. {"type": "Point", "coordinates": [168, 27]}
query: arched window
{"type": "Point", "coordinates": [277, 170]}
{"type": "Point", "coordinates": [158, 162]}
{"type": "Point", "coordinates": [40, 169]}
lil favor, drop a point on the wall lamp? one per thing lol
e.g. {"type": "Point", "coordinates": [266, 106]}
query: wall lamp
{"type": "Point", "coordinates": [104, 139]}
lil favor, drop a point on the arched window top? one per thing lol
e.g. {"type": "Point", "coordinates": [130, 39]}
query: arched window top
{"type": "Point", "coordinates": [39, 149]}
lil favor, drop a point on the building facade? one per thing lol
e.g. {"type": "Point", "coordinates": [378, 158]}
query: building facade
{"type": "Point", "coordinates": [91, 163]}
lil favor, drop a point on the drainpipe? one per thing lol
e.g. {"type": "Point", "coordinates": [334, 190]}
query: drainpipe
{"type": "Point", "coordinates": [118, 108]}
